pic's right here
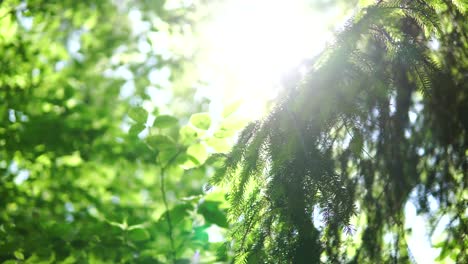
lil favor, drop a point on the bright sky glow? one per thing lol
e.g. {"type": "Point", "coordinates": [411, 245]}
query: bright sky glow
{"type": "Point", "coordinates": [252, 43]}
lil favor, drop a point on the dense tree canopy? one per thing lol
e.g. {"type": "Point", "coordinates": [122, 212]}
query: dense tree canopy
{"type": "Point", "coordinates": [109, 155]}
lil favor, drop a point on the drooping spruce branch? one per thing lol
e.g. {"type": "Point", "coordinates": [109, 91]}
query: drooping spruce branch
{"type": "Point", "coordinates": [296, 164]}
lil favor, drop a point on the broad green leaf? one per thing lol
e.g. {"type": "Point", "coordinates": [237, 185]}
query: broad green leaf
{"type": "Point", "coordinates": [213, 214]}
{"type": "Point", "coordinates": [198, 151]}
{"type": "Point", "coordinates": [225, 133]}
{"type": "Point", "coordinates": [138, 114]}
{"type": "Point", "coordinates": [138, 234]}
{"type": "Point", "coordinates": [201, 120]}
{"type": "Point", "coordinates": [218, 144]}
{"type": "Point", "coordinates": [164, 121]}
{"type": "Point", "coordinates": [188, 134]}
{"type": "Point", "coordinates": [200, 235]}
{"type": "Point", "coordinates": [19, 255]}
{"type": "Point", "coordinates": [69, 260]}
{"type": "Point", "coordinates": [136, 129]}
{"type": "Point", "coordinates": [160, 142]}
{"type": "Point", "coordinates": [168, 155]}
{"type": "Point", "coordinates": [178, 213]}
{"type": "Point", "coordinates": [184, 158]}
{"type": "Point", "coordinates": [190, 162]}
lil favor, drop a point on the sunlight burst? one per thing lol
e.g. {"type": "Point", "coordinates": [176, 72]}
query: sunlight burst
{"type": "Point", "coordinates": [255, 42]}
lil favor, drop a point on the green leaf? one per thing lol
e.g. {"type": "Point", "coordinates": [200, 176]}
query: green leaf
{"type": "Point", "coordinates": [72, 160]}
{"type": "Point", "coordinates": [136, 129]}
{"type": "Point", "coordinates": [178, 213]}
{"type": "Point", "coordinates": [233, 124]}
{"type": "Point", "coordinates": [139, 234]}
{"type": "Point", "coordinates": [138, 114]}
{"type": "Point", "coordinates": [184, 158]}
{"type": "Point", "coordinates": [201, 120]}
{"type": "Point", "coordinates": [198, 151]}
{"type": "Point", "coordinates": [19, 255]}
{"type": "Point", "coordinates": [160, 142]}
{"type": "Point", "coordinates": [69, 260]}
{"type": "Point", "coordinates": [224, 133]}
{"type": "Point", "coordinates": [188, 134]}
{"type": "Point", "coordinates": [213, 214]}
{"type": "Point", "coordinates": [218, 144]}
{"type": "Point", "coordinates": [168, 155]}
{"type": "Point", "coordinates": [164, 121]}
{"type": "Point", "coordinates": [199, 237]}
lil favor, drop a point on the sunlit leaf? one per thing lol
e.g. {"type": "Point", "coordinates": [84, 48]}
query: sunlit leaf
{"type": "Point", "coordinates": [70, 160]}
{"type": "Point", "coordinates": [198, 151]}
{"type": "Point", "coordinates": [218, 144]}
{"type": "Point", "coordinates": [225, 133]}
{"type": "Point", "coordinates": [168, 155]}
{"type": "Point", "coordinates": [201, 120]}
{"type": "Point", "coordinates": [19, 255]}
{"type": "Point", "coordinates": [233, 124]}
{"type": "Point", "coordinates": [188, 134]}
{"type": "Point", "coordinates": [136, 129]}
{"type": "Point", "coordinates": [160, 142]}
{"type": "Point", "coordinates": [138, 114]}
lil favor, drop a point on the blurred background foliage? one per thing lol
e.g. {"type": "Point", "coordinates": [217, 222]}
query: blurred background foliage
{"type": "Point", "coordinates": [106, 141]}
{"type": "Point", "coordinates": [96, 106]}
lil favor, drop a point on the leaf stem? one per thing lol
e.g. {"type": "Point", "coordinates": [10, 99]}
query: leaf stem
{"type": "Point", "coordinates": [168, 215]}
{"type": "Point", "coordinates": [166, 206]}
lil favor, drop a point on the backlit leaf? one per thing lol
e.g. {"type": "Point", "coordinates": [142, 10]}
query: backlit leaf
{"type": "Point", "coordinates": [160, 142]}
{"type": "Point", "coordinates": [138, 114]}
{"type": "Point", "coordinates": [201, 120]}
{"type": "Point", "coordinates": [136, 129]}
{"type": "Point", "coordinates": [198, 151]}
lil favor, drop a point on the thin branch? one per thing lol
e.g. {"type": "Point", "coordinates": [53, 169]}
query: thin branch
{"type": "Point", "coordinates": [168, 215]}
{"type": "Point", "coordinates": [166, 206]}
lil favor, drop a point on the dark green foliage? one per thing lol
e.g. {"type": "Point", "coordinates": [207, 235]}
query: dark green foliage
{"type": "Point", "coordinates": [342, 138]}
